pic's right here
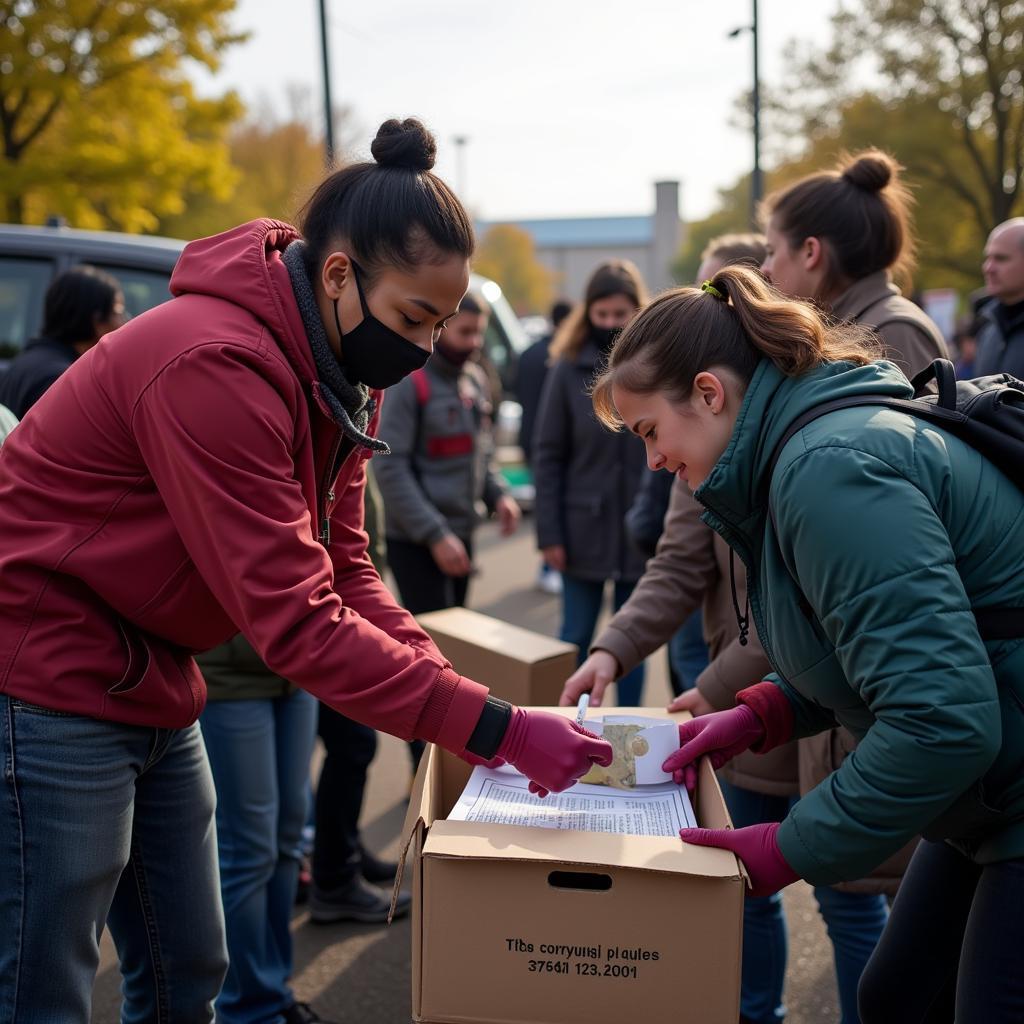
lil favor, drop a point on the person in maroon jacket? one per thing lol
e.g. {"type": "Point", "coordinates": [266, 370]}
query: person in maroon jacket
{"type": "Point", "coordinates": [196, 474]}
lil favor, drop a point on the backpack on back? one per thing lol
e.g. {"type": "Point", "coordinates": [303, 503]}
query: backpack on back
{"type": "Point", "coordinates": [986, 412]}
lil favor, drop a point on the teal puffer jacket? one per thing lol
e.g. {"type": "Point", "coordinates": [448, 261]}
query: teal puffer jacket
{"type": "Point", "coordinates": [894, 531]}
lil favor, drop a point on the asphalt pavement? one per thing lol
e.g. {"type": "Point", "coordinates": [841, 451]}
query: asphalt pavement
{"type": "Point", "coordinates": [359, 974]}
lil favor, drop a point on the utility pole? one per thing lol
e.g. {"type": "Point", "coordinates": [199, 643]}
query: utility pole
{"type": "Point", "coordinates": [328, 106]}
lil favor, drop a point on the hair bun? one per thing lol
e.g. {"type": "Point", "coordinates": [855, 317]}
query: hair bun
{"type": "Point", "coordinates": [404, 144]}
{"type": "Point", "coordinates": [871, 170]}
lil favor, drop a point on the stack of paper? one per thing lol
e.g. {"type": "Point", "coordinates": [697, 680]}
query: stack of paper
{"type": "Point", "coordinates": [501, 796]}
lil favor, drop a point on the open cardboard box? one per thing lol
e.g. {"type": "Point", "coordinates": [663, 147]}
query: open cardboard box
{"type": "Point", "coordinates": [515, 664]}
{"type": "Point", "coordinates": [513, 925]}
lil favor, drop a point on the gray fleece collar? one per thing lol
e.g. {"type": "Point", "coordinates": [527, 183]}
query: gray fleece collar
{"type": "Point", "coordinates": [350, 405]}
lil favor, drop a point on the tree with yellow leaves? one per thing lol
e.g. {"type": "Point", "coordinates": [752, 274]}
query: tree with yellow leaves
{"type": "Point", "coordinates": [98, 121]}
{"type": "Point", "coordinates": [506, 253]}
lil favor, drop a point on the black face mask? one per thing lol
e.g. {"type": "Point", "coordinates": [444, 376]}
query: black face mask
{"type": "Point", "coordinates": [604, 337]}
{"type": "Point", "coordinates": [372, 353]}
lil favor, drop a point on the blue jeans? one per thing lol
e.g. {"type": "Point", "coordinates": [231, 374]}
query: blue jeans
{"type": "Point", "coordinates": [105, 823]}
{"type": "Point", "coordinates": [581, 606]}
{"type": "Point", "coordinates": [855, 922]}
{"type": "Point", "coordinates": [259, 752]}
{"type": "Point", "coordinates": [687, 654]}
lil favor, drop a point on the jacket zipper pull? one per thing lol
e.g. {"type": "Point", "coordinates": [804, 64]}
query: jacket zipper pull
{"type": "Point", "coordinates": [325, 531]}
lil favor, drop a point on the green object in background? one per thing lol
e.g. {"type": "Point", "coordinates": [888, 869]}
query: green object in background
{"type": "Point", "coordinates": [517, 476]}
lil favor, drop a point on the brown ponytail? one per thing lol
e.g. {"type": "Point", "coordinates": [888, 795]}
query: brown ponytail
{"type": "Point", "coordinates": [688, 330]}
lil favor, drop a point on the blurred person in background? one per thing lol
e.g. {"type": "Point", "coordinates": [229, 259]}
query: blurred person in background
{"type": "Point", "coordinates": [200, 474]}
{"type": "Point", "coordinates": [437, 423]}
{"type": "Point", "coordinates": [1001, 335]}
{"type": "Point", "coordinates": [530, 375]}
{"type": "Point", "coordinates": [81, 305]}
{"type": "Point", "coordinates": [585, 480]}
{"type": "Point", "coordinates": [965, 344]}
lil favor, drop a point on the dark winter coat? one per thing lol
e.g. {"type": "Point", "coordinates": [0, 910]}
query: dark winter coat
{"type": "Point", "coordinates": [586, 477]}
{"type": "Point", "coordinates": [1001, 340]}
{"type": "Point", "coordinates": [893, 531]}
{"type": "Point", "coordinates": [33, 371]}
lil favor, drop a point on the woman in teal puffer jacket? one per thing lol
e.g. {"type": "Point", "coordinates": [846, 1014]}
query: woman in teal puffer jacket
{"type": "Point", "coordinates": [884, 533]}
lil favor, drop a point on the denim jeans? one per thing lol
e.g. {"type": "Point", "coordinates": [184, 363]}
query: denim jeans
{"type": "Point", "coordinates": [581, 606]}
{"type": "Point", "coordinates": [687, 654]}
{"type": "Point", "coordinates": [952, 948]}
{"type": "Point", "coordinates": [105, 823]}
{"type": "Point", "coordinates": [854, 922]}
{"type": "Point", "coordinates": [259, 751]}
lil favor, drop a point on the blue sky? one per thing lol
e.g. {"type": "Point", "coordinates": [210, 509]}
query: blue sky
{"type": "Point", "coordinates": [570, 107]}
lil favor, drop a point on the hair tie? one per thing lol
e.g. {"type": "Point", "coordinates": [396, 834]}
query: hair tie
{"type": "Point", "coordinates": [708, 287]}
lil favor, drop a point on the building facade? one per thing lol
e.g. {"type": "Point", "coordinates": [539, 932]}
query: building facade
{"type": "Point", "coordinates": [573, 247]}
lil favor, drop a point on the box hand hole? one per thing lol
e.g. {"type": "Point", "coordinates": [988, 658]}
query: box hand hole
{"type": "Point", "coordinates": [585, 881]}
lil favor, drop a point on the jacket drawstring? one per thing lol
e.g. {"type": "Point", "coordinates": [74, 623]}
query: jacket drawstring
{"type": "Point", "coordinates": [743, 621]}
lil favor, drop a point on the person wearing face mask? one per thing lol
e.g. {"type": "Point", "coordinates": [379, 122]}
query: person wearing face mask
{"type": "Point", "coordinates": [437, 423]}
{"type": "Point", "coordinates": [214, 486]}
{"type": "Point", "coordinates": [81, 305]}
{"type": "Point", "coordinates": [584, 484]}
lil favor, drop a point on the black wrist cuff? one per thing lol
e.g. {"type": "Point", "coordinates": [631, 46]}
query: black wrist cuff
{"type": "Point", "coordinates": [490, 729]}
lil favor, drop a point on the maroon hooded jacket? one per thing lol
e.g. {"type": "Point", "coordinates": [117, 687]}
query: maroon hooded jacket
{"type": "Point", "coordinates": [167, 492]}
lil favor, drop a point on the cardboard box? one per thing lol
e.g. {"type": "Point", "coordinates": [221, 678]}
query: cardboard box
{"type": "Point", "coordinates": [515, 664]}
{"type": "Point", "coordinates": [514, 925]}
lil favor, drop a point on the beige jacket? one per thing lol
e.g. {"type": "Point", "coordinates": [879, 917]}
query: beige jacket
{"type": "Point", "coordinates": [690, 569]}
{"type": "Point", "coordinates": [911, 338]}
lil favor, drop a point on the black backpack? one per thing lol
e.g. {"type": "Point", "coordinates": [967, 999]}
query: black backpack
{"type": "Point", "coordinates": [986, 412]}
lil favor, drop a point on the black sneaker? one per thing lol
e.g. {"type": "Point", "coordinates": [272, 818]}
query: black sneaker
{"type": "Point", "coordinates": [380, 872]}
{"type": "Point", "coordinates": [355, 901]}
{"type": "Point", "coordinates": [303, 1013]}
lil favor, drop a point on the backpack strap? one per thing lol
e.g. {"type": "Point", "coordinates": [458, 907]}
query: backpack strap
{"type": "Point", "coordinates": [421, 383]}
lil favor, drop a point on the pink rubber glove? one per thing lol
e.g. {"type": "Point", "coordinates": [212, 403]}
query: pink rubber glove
{"type": "Point", "coordinates": [721, 735]}
{"type": "Point", "coordinates": [550, 750]}
{"type": "Point", "coordinates": [756, 846]}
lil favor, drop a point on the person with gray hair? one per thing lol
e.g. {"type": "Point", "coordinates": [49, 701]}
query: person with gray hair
{"type": "Point", "coordinates": [1001, 338]}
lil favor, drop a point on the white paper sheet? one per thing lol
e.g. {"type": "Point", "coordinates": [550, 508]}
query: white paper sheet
{"type": "Point", "coordinates": [501, 796]}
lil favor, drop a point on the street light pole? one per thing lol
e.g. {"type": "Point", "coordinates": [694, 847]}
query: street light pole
{"type": "Point", "coordinates": [756, 179]}
{"type": "Point", "coordinates": [328, 106]}
{"type": "Point", "coordinates": [460, 165]}
{"type": "Point", "coordinates": [756, 176]}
